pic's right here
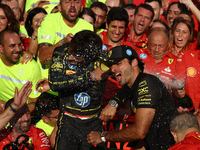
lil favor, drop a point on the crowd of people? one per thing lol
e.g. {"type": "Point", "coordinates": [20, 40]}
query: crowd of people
{"type": "Point", "coordinates": [68, 67]}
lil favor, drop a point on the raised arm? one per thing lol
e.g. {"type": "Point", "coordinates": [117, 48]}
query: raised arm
{"type": "Point", "coordinates": [190, 5]}
{"type": "Point", "coordinates": [20, 99]}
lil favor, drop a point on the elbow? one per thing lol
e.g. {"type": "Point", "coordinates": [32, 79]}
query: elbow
{"type": "Point", "coordinates": [141, 135]}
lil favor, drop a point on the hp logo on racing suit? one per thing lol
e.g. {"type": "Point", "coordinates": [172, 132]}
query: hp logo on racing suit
{"type": "Point", "coordinates": [82, 99]}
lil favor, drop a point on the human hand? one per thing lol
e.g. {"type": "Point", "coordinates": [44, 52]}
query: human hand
{"type": "Point", "coordinates": [26, 57]}
{"type": "Point", "coordinates": [186, 2]}
{"type": "Point", "coordinates": [44, 83]}
{"type": "Point", "coordinates": [196, 111]}
{"type": "Point", "coordinates": [41, 3]}
{"type": "Point", "coordinates": [94, 137]}
{"type": "Point", "coordinates": [21, 97]}
{"type": "Point", "coordinates": [68, 38]}
{"type": "Point", "coordinates": [181, 109]}
{"type": "Point", "coordinates": [22, 35]}
{"type": "Point", "coordinates": [100, 74]}
{"type": "Point", "coordinates": [107, 113]}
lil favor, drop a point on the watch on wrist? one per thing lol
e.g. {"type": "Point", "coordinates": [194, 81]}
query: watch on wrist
{"type": "Point", "coordinates": [113, 103]}
{"type": "Point", "coordinates": [103, 134]}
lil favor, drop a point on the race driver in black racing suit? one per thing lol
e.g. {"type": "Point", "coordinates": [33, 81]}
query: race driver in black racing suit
{"type": "Point", "coordinates": [75, 75]}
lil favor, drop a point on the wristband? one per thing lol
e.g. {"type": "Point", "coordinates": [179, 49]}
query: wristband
{"type": "Point", "coordinates": [13, 109]}
{"type": "Point", "coordinates": [34, 37]}
{"type": "Point", "coordinates": [61, 42]}
{"type": "Point", "coordinates": [94, 76]}
{"type": "Point", "coordinates": [103, 134]}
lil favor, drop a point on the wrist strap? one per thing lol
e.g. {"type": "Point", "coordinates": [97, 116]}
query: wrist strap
{"type": "Point", "coordinates": [13, 109]}
{"type": "Point", "coordinates": [103, 134]}
{"type": "Point", "coordinates": [94, 76]}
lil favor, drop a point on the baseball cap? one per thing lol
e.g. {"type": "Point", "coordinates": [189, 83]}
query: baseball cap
{"type": "Point", "coordinates": [118, 53]}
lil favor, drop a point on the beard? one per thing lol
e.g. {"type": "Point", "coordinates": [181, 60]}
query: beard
{"type": "Point", "coordinates": [22, 129]}
{"type": "Point", "coordinates": [66, 16]}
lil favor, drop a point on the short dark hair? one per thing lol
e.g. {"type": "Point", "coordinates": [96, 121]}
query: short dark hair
{"type": "Point", "coordinates": [86, 44]}
{"type": "Point", "coordinates": [100, 5]}
{"type": "Point", "coordinates": [89, 12]}
{"type": "Point", "coordinates": [45, 103]}
{"type": "Point", "coordinates": [118, 13]}
{"type": "Point", "coordinates": [145, 6]}
{"type": "Point", "coordinates": [183, 121]}
{"type": "Point", "coordinates": [129, 6]}
{"type": "Point", "coordinates": [182, 8]}
{"type": "Point", "coordinates": [159, 2]}
{"type": "Point", "coordinates": [29, 20]}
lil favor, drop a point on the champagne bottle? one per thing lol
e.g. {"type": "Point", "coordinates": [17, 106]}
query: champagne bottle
{"type": "Point", "coordinates": [186, 102]}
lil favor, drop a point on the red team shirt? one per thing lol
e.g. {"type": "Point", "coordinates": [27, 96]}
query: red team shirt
{"type": "Point", "coordinates": [38, 139]}
{"type": "Point", "coordinates": [164, 69]}
{"type": "Point", "coordinates": [190, 142]}
{"type": "Point", "coordinates": [188, 66]}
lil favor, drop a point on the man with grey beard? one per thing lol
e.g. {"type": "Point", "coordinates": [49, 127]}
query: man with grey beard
{"type": "Point", "coordinates": [20, 125]}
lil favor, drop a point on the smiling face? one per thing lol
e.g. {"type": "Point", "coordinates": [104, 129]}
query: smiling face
{"type": "Point", "coordinates": [116, 31]}
{"type": "Point", "coordinates": [11, 49]}
{"type": "Point", "coordinates": [181, 35]}
{"type": "Point", "coordinates": [70, 9]}
{"type": "Point", "coordinates": [24, 122]}
{"type": "Point", "coordinates": [142, 21]}
{"type": "Point", "coordinates": [3, 20]}
{"type": "Point", "coordinates": [173, 12]}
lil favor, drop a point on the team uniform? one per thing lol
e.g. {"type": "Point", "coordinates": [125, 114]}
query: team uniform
{"type": "Point", "coordinates": [45, 127]}
{"type": "Point", "coordinates": [149, 92]}
{"type": "Point", "coordinates": [190, 142]}
{"type": "Point", "coordinates": [164, 70]}
{"type": "Point", "coordinates": [30, 3]}
{"type": "Point", "coordinates": [107, 47]}
{"type": "Point", "coordinates": [138, 44]}
{"type": "Point", "coordinates": [80, 100]}
{"type": "Point", "coordinates": [187, 67]}
{"type": "Point", "coordinates": [37, 140]}
{"type": "Point", "coordinates": [53, 29]}
{"type": "Point", "coordinates": [16, 76]}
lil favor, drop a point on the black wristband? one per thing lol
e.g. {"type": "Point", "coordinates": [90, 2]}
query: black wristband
{"type": "Point", "coordinates": [13, 109]}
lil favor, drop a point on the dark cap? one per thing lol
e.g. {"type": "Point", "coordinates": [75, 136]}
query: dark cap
{"type": "Point", "coordinates": [118, 53]}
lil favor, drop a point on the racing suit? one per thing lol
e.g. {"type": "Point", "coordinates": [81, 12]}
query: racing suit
{"type": "Point", "coordinates": [80, 100]}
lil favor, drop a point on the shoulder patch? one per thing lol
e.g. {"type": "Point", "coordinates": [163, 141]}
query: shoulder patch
{"type": "Point", "coordinates": [143, 56]}
{"type": "Point", "coordinates": [104, 47]}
